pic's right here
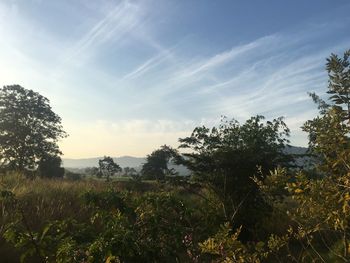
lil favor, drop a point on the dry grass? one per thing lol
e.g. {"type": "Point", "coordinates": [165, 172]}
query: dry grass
{"type": "Point", "coordinates": [45, 200]}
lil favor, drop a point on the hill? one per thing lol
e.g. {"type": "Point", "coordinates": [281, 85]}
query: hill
{"type": "Point", "coordinates": [136, 162]}
{"type": "Point", "coordinates": [124, 161]}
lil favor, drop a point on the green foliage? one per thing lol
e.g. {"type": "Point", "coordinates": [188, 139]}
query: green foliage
{"type": "Point", "coordinates": [72, 176]}
{"type": "Point", "coordinates": [105, 200]}
{"type": "Point", "coordinates": [329, 141]}
{"type": "Point", "coordinates": [225, 159]}
{"type": "Point", "coordinates": [339, 83]}
{"type": "Point", "coordinates": [226, 247]}
{"type": "Point", "coordinates": [274, 184]}
{"type": "Point", "coordinates": [129, 227]}
{"type": "Point", "coordinates": [323, 213]}
{"type": "Point", "coordinates": [29, 129]}
{"type": "Point", "coordinates": [328, 132]}
{"type": "Point", "coordinates": [318, 214]}
{"type": "Point", "coordinates": [50, 166]}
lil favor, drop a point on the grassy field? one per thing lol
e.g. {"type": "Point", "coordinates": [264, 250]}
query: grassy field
{"type": "Point", "coordinates": [91, 220]}
{"type": "Point", "coordinates": [51, 200]}
{"type": "Point", "coordinates": [44, 200]}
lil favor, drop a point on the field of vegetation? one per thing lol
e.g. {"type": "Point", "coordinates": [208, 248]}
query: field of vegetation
{"type": "Point", "coordinates": [246, 199]}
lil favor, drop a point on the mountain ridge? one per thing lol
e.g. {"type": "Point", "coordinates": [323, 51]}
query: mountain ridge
{"type": "Point", "coordinates": [131, 161]}
{"type": "Point", "coordinates": [123, 161]}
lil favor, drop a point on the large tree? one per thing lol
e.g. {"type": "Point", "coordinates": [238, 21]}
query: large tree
{"type": "Point", "coordinates": [224, 159]}
{"type": "Point", "coordinates": [29, 129]}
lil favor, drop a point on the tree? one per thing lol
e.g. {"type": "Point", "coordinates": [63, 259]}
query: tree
{"type": "Point", "coordinates": [129, 171]}
{"type": "Point", "coordinates": [50, 166]}
{"type": "Point", "coordinates": [328, 132]}
{"type": "Point", "coordinates": [224, 159]}
{"type": "Point", "coordinates": [91, 171]}
{"type": "Point", "coordinates": [29, 129]}
{"type": "Point", "coordinates": [339, 83]}
{"type": "Point", "coordinates": [108, 167]}
{"type": "Point", "coordinates": [156, 166]}
{"type": "Point", "coordinates": [319, 208]}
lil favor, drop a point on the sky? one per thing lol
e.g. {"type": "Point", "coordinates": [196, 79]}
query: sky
{"type": "Point", "coordinates": [129, 76]}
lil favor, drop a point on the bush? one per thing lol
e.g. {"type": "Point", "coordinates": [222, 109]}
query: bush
{"type": "Point", "coordinates": [72, 176]}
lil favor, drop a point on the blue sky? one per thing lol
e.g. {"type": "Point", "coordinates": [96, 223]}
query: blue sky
{"type": "Point", "coordinates": [129, 76]}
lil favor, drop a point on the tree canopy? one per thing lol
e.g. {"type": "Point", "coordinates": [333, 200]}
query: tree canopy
{"type": "Point", "coordinates": [29, 129]}
{"type": "Point", "coordinates": [50, 166]}
{"type": "Point", "coordinates": [156, 166]}
{"type": "Point", "coordinates": [226, 158]}
{"type": "Point", "coordinates": [108, 167]}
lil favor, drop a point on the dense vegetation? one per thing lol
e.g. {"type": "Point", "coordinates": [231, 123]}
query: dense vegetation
{"type": "Point", "coordinates": [245, 201]}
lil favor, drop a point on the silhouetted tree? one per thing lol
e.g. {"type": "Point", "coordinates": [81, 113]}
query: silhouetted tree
{"type": "Point", "coordinates": [108, 167]}
{"type": "Point", "coordinates": [156, 166]}
{"type": "Point", "coordinates": [29, 129]}
{"type": "Point", "coordinates": [50, 166]}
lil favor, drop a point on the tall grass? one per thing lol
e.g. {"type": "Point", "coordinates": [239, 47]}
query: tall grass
{"type": "Point", "coordinates": [45, 200]}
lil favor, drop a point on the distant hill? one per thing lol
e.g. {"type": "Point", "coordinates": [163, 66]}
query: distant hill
{"type": "Point", "coordinates": [124, 161]}
{"type": "Point", "coordinates": [136, 162]}
{"type": "Point", "coordinates": [296, 150]}
{"type": "Point", "coordinates": [303, 160]}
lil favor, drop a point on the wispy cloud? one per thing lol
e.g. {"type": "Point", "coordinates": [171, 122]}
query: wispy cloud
{"type": "Point", "coordinates": [222, 58]}
{"type": "Point", "coordinates": [122, 19]}
{"type": "Point", "coordinates": [149, 64]}
{"type": "Point", "coordinates": [118, 62]}
{"type": "Point", "coordinates": [191, 75]}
